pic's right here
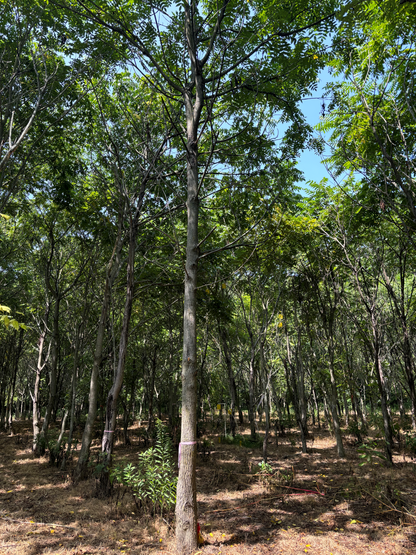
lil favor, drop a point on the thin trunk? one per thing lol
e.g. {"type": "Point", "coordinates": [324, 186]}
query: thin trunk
{"type": "Point", "coordinates": [346, 410]}
{"type": "Point", "coordinates": [38, 446]}
{"type": "Point", "coordinates": [266, 435]}
{"type": "Point", "coordinates": [388, 432]}
{"type": "Point", "coordinates": [73, 399]}
{"type": "Point", "coordinates": [251, 407]}
{"type": "Point", "coordinates": [81, 470]}
{"type": "Point", "coordinates": [231, 382]}
{"type": "Point", "coordinates": [112, 398]}
{"type": "Point", "coordinates": [17, 353]}
{"type": "Point", "coordinates": [53, 368]}
{"type": "Point", "coordinates": [63, 426]}
{"type": "Point", "coordinates": [316, 405]}
{"type": "Point", "coordinates": [333, 399]}
{"type": "Point", "coordinates": [327, 416]}
{"type": "Point", "coordinates": [151, 391]}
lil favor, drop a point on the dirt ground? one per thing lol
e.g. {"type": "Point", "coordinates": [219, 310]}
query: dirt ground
{"type": "Point", "coordinates": [314, 503]}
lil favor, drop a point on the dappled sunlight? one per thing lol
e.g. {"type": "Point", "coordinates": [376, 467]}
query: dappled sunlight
{"type": "Point", "coordinates": [315, 502]}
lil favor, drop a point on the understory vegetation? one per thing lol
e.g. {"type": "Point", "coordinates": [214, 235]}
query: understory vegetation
{"type": "Point", "coordinates": [318, 502]}
{"type": "Point", "coordinates": [175, 285]}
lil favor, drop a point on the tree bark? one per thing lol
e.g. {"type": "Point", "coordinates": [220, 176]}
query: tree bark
{"type": "Point", "coordinates": [112, 398]}
{"type": "Point", "coordinates": [37, 448]}
{"type": "Point", "coordinates": [80, 471]}
{"type": "Point", "coordinates": [186, 508]}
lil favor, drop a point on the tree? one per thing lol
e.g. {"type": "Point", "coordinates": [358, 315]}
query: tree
{"type": "Point", "coordinates": [219, 41]}
{"type": "Point", "coordinates": [371, 114]}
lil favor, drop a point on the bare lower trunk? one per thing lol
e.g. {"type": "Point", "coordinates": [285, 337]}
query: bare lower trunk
{"type": "Point", "coordinates": [346, 411]}
{"type": "Point", "coordinates": [251, 407]}
{"type": "Point", "coordinates": [186, 508]}
{"type": "Point", "coordinates": [36, 415]}
{"type": "Point", "coordinates": [37, 447]}
{"type": "Point", "coordinates": [112, 398]}
{"type": "Point", "coordinates": [17, 353]}
{"type": "Point", "coordinates": [63, 426]}
{"type": "Point", "coordinates": [388, 432]}
{"type": "Point", "coordinates": [335, 421]}
{"type": "Point", "coordinates": [266, 435]}
{"type": "Point", "coordinates": [53, 369]}
{"type": "Point", "coordinates": [231, 382]}
{"type": "Point", "coordinates": [327, 416]}
{"type": "Point", "coordinates": [72, 407]}
{"type": "Point", "coordinates": [151, 391]}
{"type": "Point", "coordinates": [81, 469]}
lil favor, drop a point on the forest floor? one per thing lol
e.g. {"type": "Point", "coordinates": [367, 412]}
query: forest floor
{"type": "Point", "coordinates": [315, 503]}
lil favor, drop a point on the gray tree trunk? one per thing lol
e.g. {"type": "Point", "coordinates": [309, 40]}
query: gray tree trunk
{"type": "Point", "coordinates": [112, 398]}
{"type": "Point", "coordinates": [80, 471]}
{"type": "Point", "coordinates": [186, 508]}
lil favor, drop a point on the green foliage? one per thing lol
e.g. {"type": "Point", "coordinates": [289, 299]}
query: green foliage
{"type": "Point", "coordinates": [410, 442]}
{"type": "Point", "coordinates": [56, 449]}
{"type": "Point", "coordinates": [243, 441]}
{"type": "Point", "coordinates": [265, 468]}
{"type": "Point", "coordinates": [368, 451]}
{"type": "Point", "coordinates": [152, 481]}
{"type": "Point", "coordinates": [9, 321]}
{"type": "Point", "coordinates": [375, 421]}
{"type": "Point", "coordinates": [264, 472]}
{"type": "Point", "coordinates": [355, 429]}
{"type": "Point", "coordinates": [41, 444]}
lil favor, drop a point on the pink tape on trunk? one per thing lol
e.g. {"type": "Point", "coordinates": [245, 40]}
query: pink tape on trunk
{"type": "Point", "coordinates": [179, 453]}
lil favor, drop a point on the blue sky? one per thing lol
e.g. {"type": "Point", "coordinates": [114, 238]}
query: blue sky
{"type": "Point", "coordinates": [310, 163]}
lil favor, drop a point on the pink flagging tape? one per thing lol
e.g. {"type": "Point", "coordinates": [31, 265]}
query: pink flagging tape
{"type": "Point", "coordinates": [179, 452]}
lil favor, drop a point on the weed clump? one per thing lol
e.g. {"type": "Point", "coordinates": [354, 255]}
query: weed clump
{"type": "Point", "coordinates": [243, 441]}
{"type": "Point", "coordinates": [153, 480]}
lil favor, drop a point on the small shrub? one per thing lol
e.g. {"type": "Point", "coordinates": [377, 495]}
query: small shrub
{"type": "Point", "coordinates": [274, 479]}
{"type": "Point", "coordinates": [410, 443]}
{"type": "Point", "coordinates": [264, 472]}
{"type": "Point", "coordinates": [41, 444]}
{"type": "Point", "coordinates": [56, 450]}
{"type": "Point", "coordinates": [265, 467]}
{"type": "Point", "coordinates": [243, 441]}
{"type": "Point", "coordinates": [376, 421]}
{"type": "Point", "coordinates": [355, 430]}
{"type": "Point", "coordinates": [152, 481]}
{"type": "Point", "coordinates": [368, 451]}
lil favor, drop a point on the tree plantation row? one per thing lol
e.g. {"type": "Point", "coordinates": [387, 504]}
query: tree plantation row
{"type": "Point", "coordinates": [162, 254]}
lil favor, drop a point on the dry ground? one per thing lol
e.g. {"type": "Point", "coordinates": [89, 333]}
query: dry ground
{"type": "Point", "coordinates": [346, 510]}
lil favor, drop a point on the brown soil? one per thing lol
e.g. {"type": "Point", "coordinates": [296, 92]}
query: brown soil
{"type": "Point", "coordinates": [347, 509]}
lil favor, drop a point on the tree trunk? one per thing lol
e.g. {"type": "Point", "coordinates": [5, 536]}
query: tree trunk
{"type": "Point", "coordinates": [53, 369]}
{"type": "Point", "coordinates": [334, 413]}
{"type": "Point", "coordinates": [112, 270]}
{"type": "Point", "coordinates": [186, 508]}
{"type": "Point", "coordinates": [73, 398]}
{"type": "Point", "coordinates": [112, 398]}
{"type": "Point", "coordinates": [151, 391]}
{"type": "Point", "coordinates": [251, 407]}
{"type": "Point", "coordinates": [266, 435]}
{"type": "Point", "coordinates": [388, 433]}
{"type": "Point", "coordinates": [231, 382]}
{"type": "Point", "coordinates": [346, 411]}
{"type": "Point", "coordinates": [38, 447]}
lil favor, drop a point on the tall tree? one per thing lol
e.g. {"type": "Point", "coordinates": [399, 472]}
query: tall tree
{"type": "Point", "coordinates": [230, 61]}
